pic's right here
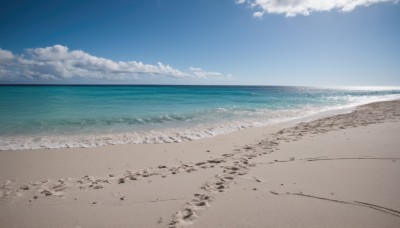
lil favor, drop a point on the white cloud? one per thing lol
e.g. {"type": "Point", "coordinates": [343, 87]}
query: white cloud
{"type": "Point", "coordinates": [5, 55]}
{"type": "Point", "coordinates": [58, 62]}
{"type": "Point", "coordinates": [258, 14]}
{"type": "Point", "coordinates": [304, 7]}
{"type": "Point", "coordinates": [200, 73]}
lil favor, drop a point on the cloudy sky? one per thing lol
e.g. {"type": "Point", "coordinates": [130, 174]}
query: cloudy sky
{"type": "Point", "coordinates": [250, 42]}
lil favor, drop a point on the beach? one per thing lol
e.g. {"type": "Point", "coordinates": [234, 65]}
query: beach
{"type": "Point", "coordinates": [337, 171]}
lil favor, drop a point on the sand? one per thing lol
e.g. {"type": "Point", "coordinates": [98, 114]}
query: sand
{"type": "Point", "coordinates": [339, 171]}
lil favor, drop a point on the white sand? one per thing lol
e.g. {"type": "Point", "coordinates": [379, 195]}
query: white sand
{"type": "Point", "coordinates": [341, 171]}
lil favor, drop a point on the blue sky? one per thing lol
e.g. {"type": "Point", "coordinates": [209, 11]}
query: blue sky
{"type": "Point", "coordinates": [257, 42]}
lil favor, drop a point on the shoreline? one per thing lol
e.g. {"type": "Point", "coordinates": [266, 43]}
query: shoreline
{"type": "Point", "coordinates": [196, 182]}
{"type": "Point", "coordinates": [166, 136]}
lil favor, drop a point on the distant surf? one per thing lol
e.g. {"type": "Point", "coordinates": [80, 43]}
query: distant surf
{"type": "Point", "coordinates": [63, 116]}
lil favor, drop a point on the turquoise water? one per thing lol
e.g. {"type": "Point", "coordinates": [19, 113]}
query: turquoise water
{"type": "Point", "coordinates": [80, 116]}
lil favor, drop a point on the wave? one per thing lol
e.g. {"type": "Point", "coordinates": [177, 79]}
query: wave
{"type": "Point", "coordinates": [198, 129]}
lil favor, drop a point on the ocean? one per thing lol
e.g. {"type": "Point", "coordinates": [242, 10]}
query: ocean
{"type": "Point", "coordinates": [61, 116]}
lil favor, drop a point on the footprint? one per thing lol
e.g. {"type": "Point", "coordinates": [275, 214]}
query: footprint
{"type": "Point", "coordinates": [216, 160]}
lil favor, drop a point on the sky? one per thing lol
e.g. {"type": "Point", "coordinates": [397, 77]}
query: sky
{"type": "Point", "coordinates": [223, 42]}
